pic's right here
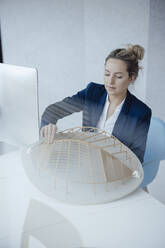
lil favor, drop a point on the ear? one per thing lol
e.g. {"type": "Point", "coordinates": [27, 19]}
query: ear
{"type": "Point", "coordinates": [132, 78]}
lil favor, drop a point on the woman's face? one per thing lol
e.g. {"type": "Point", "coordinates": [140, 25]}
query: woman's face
{"type": "Point", "coordinates": [116, 77]}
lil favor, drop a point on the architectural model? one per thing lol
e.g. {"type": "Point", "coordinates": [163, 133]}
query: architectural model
{"type": "Point", "coordinates": [84, 165]}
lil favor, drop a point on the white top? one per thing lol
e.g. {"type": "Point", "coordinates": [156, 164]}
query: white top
{"type": "Point", "coordinates": [108, 125]}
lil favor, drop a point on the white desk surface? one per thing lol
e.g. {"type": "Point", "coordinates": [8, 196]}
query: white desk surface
{"type": "Point", "coordinates": [137, 220]}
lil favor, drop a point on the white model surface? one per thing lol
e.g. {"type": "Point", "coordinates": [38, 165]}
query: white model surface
{"type": "Point", "coordinates": [83, 166]}
{"type": "Point", "coordinates": [19, 122]}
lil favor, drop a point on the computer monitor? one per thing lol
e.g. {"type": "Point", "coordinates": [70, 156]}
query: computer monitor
{"type": "Point", "coordinates": [19, 115]}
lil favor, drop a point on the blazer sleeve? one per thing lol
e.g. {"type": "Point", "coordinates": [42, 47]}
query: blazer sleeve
{"type": "Point", "coordinates": [61, 109]}
{"type": "Point", "coordinates": [140, 137]}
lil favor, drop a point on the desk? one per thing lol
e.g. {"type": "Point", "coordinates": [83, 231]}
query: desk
{"type": "Point", "coordinates": [29, 216]}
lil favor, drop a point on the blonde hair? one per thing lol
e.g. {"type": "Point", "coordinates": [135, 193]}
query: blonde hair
{"type": "Point", "coordinates": [131, 56]}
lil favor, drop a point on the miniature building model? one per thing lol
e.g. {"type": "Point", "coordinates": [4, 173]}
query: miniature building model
{"type": "Point", "coordinates": [83, 166]}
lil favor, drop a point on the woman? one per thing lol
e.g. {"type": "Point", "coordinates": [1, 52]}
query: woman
{"type": "Point", "coordinates": [110, 106]}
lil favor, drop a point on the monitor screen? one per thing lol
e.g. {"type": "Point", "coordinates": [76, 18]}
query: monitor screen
{"type": "Point", "coordinates": [19, 115]}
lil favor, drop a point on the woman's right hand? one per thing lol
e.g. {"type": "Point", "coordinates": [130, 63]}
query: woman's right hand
{"type": "Point", "coordinates": [49, 132]}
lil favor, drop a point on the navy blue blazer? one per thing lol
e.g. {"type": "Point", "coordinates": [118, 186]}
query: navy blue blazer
{"type": "Point", "coordinates": [131, 126]}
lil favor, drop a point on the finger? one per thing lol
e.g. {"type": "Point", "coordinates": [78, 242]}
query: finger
{"type": "Point", "coordinates": [49, 131]}
{"type": "Point", "coordinates": [53, 134]}
{"type": "Point", "coordinates": [46, 133]}
{"type": "Point", "coordinates": [42, 132]}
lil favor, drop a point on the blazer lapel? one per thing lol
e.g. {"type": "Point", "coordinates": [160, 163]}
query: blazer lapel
{"type": "Point", "coordinates": [120, 124]}
{"type": "Point", "coordinates": [98, 108]}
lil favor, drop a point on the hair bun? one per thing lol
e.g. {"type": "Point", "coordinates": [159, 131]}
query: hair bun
{"type": "Point", "coordinates": [136, 50]}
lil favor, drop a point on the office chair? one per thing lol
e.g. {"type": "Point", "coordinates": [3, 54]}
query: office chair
{"type": "Point", "coordinates": [155, 150]}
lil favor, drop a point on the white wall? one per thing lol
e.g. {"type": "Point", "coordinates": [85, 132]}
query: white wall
{"type": "Point", "coordinates": [155, 87]}
{"type": "Point", "coordinates": [68, 41]}
{"type": "Point", "coordinates": [46, 35]}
